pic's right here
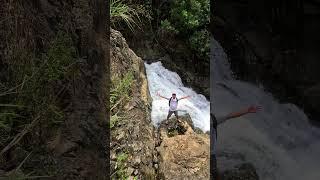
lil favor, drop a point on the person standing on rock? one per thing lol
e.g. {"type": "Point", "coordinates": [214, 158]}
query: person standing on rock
{"type": "Point", "coordinates": [215, 121]}
{"type": "Point", "coordinates": [173, 104]}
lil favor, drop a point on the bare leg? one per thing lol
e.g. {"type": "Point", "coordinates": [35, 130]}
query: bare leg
{"type": "Point", "coordinates": [176, 114]}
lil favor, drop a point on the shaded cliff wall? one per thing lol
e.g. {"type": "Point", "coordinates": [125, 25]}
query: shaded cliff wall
{"type": "Point", "coordinates": [273, 43]}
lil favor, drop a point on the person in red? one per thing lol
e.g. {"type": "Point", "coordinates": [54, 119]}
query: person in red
{"type": "Point", "coordinates": [173, 105]}
{"type": "Point", "coordinates": [215, 121]}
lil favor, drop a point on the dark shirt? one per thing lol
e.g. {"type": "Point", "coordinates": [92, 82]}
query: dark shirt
{"type": "Point", "coordinates": [213, 138]}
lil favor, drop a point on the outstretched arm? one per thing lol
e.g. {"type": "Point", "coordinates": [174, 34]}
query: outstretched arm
{"type": "Point", "coordinates": [251, 109]}
{"type": "Point", "coordinates": [162, 96]}
{"type": "Point", "coordinates": [185, 97]}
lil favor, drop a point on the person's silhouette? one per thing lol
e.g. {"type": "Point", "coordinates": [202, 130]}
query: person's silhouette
{"type": "Point", "coordinates": [215, 121]}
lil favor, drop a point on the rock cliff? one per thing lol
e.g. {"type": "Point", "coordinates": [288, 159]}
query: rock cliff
{"type": "Point", "coordinates": [174, 151]}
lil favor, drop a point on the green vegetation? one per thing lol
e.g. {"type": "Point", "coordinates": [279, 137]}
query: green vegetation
{"type": "Point", "coordinates": [121, 170]}
{"type": "Point", "coordinates": [59, 57]}
{"type": "Point", "coordinates": [165, 24]}
{"type": "Point", "coordinates": [188, 15]}
{"type": "Point", "coordinates": [31, 94]}
{"type": "Point", "coordinates": [32, 90]}
{"type": "Point", "coordinates": [119, 95]}
{"type": "Point", "coordinates": [172, 133]}
{"type": "Point", "coordinates": [189, 20]}
{"type": "Point", "coordinates": [115, 119]}
{"type": "Point", "coordinates": [200, 42]}
{"type": "Point", "coordinates": [120, 89]}
{"type": "Point", "coordinates": [131, 15]}
{"type": "Point", "coordinates": [17, 173]}
{"type": "Point", "coordinates": [121, 167]}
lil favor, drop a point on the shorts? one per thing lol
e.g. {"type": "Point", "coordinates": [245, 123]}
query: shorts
{"type": "Point", "coordinates": [172, 112]}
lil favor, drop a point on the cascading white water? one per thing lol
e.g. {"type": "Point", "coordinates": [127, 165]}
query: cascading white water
{"type": "Point", "coordinates": [166, 82]}
{"type": "Point", "coordinates": [278, 140]}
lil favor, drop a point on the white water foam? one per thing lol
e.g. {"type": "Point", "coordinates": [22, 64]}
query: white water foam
{"type": "Point", "coordinates": [167, 82]}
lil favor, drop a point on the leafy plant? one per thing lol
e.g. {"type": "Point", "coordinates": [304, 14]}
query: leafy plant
{"type": "Point", "coordinates": [115, 119]}
{"type": "Point", "coordinates": [200, 42]}
{"type": "Point", "coordinates": [189, 19]}
{"type": "Point", "coordinates": [188, 15]}
{"type": "Point", "coordinates": [121, 166]}
{"type": "Point", "coordinates": [166, 25]}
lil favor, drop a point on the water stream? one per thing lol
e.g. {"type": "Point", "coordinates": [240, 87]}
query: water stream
{"type": "Point", "coordinates": [167, 82]}
{"type": "Point", "coordinates": [279, 141]}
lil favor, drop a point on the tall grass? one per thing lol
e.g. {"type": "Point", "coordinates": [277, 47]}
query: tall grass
{"type": "Point", "coordinates": [33, 89]}
{"type": "Point", "coordinates": [120, 89]}
{"type": "Point", "coordinates": [120, 172]}
{"type": "Point", "coordinates": [17, 174]}
{"type": "Point", "coordinates": [119, 94]}
{"type": "Point", "coordinates": [129, 14]}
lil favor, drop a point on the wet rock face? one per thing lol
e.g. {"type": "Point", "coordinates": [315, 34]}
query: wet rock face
{"type": "Point", "coordinates": [183, 154]}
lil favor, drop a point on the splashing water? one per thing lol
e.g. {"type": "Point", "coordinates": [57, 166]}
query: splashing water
{"type": "Point", "coordinates": [278, 141]}
{"type": "Point", "coordinates": [166, 82]}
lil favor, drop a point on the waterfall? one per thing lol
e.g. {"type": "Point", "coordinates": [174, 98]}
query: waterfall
{"type": "Point", "coordinates": [167, 82]}
{"type": "Point", "coordinates": [278, 140]}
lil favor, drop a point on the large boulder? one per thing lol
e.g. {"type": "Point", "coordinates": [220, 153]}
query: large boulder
{"type": "Point", "coordinates": [184, 154]}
